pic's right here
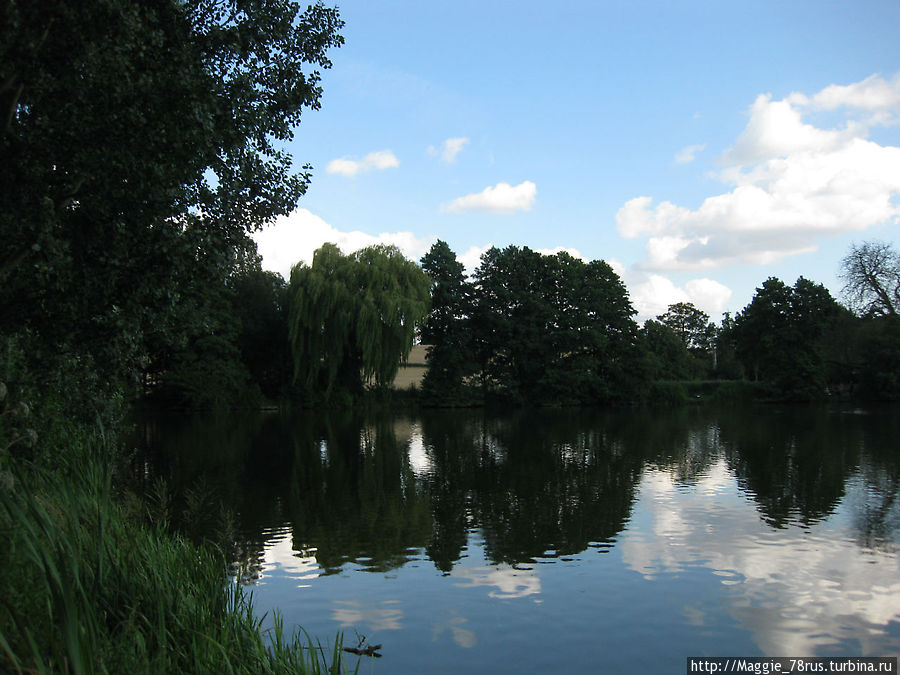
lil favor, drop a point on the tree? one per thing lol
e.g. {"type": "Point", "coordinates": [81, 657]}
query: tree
{"type": "Point", "coordinates": [353, 318]}
{"type": "Point", "coordinates": [668, 357]}
{"type": "Point", "coordinates": [779, 336]}
{"type": "Point", "coordinates": [728, 366]}
{"type": "Point", "coordinates": [553, 328]}
{"type": "Point", "coordinates": [259, 300]}
{"type": "Point", "coordinates": [446, 328]}
{"type": "Point", "coordinates": [690, 324]}
{"type": "Point", "coordinates": [880, 368]}
{"type": "Point", "coordinates": [139, 142]}
{"type": "Point", "coordinates": [871, 274]}
{"type": "Point", "coordinates": [514, 320]}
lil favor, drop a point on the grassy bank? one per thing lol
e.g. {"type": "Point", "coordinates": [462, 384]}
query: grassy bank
{"type": "Point", "coordinates": [89, 585]}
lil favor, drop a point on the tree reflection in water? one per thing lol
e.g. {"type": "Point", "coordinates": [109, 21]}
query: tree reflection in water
{"type": "Point", "coordinates": [379, 490]}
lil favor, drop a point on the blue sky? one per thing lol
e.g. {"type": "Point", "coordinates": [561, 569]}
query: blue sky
{"type": "Point", "coordinates": [698, 147]}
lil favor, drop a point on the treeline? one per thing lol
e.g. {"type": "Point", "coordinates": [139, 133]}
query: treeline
{"type": "Point", "coordinates": [555, 330]}
{"type": "Point", "coordinates": [526, 329]}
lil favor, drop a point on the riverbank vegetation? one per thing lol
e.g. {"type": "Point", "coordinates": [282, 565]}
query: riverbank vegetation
{"type": "Point", "coordinates": [93, 581]}
{"type": "Point", "coordinates": [533, 329]}
{"type": "Point", "coordinates": [141, 144]}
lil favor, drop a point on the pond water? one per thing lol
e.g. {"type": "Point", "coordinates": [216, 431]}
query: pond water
{"type": "Point", "coordinates": [556, 540]}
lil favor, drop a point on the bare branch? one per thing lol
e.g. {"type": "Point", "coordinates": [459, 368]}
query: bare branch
{"type": "Point", "coordinates": [871, 275]}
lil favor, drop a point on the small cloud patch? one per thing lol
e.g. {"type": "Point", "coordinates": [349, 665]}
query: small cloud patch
{"type": "Point", "coordinates": [500, 198]}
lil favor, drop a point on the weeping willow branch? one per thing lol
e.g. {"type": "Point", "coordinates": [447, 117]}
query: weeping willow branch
{"type": "Point", "coordinates": [353, 318]}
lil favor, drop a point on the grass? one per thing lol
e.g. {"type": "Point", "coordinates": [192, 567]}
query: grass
{"type": "Point", "coordinates": [88, 586]}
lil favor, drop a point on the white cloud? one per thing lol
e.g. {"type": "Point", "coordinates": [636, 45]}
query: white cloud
{"type": "Point", "coordinates": [449, 149]}
{"type": "Point", "coordinates": [295, 237]}
{"type": "Point", "coordinates": [381, 159]}
{"type": "Point", "coordinates": [651, 294]}
{"type": "Point", "coordinates": [777, 129]}
{"type": "Point", "coordinates": [501, 198]}
{"type": "Point", "coordinates": [873, 94]}
{"type": "Point", "coordinates": [574, 252]}
{"type": "Point", "coordinates": [790, 183]}
{"type": "Point", "coordinates": [689, 153]}
{"type": "Point", "coordinates": [708, 295]}
{"type": "Point", "coordinates": [471, 259]}
{"type": "Point", "coordinates": [617, 267]}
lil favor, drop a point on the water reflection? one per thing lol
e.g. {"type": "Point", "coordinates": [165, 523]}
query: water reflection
{"type": "Point", "coordinates": [800, 594]}
{"type": "Point", "coordinates": [503, 580]}
{"type": "Point", "coordinates": [787, 521]}
{"type": "Point", "coordinates": [377, 616]}
{"type": "Point", "coordinates": [375, 489]}
{"type": "Point", "coordinates": [794, 580]}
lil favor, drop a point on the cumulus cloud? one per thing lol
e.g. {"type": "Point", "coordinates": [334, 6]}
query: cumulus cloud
{"type": "Point", "coordinates": [689, 154]}
{"type": "Point", "coordinates": [295, 237]}
{"type": "Point", "coordinates": [501, 198]}
{"type": "Point", "coordinates": [873, 94]}
{"type": "Point", "coordinates": [651, 294]}
{"type": "Point", "coordinates": [790, 183]}
{"type": "Point", "coordinates": [471, 259]}
{"type": "Point", "coordinates": [574, 252]}
{"type": "Point", "coordinates": [381, 159]}
{"type": "Point", "coordinates": [449, 149]}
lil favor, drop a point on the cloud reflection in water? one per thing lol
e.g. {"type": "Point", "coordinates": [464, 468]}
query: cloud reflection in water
{"type": "Point", "coordinates": [800, 590]}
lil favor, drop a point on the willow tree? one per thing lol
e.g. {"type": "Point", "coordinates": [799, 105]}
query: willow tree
{"type": "Point", "coordinates": [352, 318]}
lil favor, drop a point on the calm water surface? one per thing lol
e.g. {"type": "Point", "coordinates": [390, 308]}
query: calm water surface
{"type": "Point", "coordinates": [556, 541]}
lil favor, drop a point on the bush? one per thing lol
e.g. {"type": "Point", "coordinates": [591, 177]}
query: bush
{"type": "Point", "coordinates": [667, 393]}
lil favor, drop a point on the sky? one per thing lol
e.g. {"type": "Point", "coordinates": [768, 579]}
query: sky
{"type": "Point", "coordinates": [697, 147]}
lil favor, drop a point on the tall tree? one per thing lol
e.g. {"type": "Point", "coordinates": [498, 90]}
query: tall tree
{"type": "Point", "coordinates": [553, 328]}
{"type": "Point", "coordinates": [353, 318]}
{"type": "Point", "coordinates": [690, 324]}
{"type": "Point", "coordinates": [446, 328]}
{"type": "Point", "coordinates": [871, 274]}
{"type": "Point", "coordinates": [779, 336]}
{"type": "Point", "coordinates": [259, 299]}
{"type": "Point", "coordinates": [514, 320]}
{"type": "Point", "coordinates": [140, 141]}
{"type": "Point", "coordinates": [668, 357]}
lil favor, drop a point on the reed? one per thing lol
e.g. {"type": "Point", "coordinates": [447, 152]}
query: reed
{"type": "Point", "coordinates": [86, 587]}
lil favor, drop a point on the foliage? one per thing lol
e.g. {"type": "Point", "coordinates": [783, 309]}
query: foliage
{"type": "Point", "coordinates": [690, 324]}
{"type": "Point", "coordinates": [728, 365]}
{"type": "Point", "coordinates": [871, 274]}
{"type": "Point", "coordinates": [259, 301]}
{"type": "Point", "coordinates": [667, 393]}
{"type": "Point", "coordinates": [447, 328]}
{"type": "Point", "coordinates": [353, 318]}
{"type": "Point", "coordinates": [204, 370]}
{"type": "Point", "coordinates": [780, 336]}
{"type": "Point", "coordinates": [667, 355]}
{"type": "Point", "coordinates": [181, 108]}
{"type": "Point", "coordinates": [880, 368]}
{"type": "Point", "coordinates": [553, 328]}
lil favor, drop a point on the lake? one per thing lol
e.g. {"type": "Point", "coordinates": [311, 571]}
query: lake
{"type": "Point", "coordinates": [553, 540]}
